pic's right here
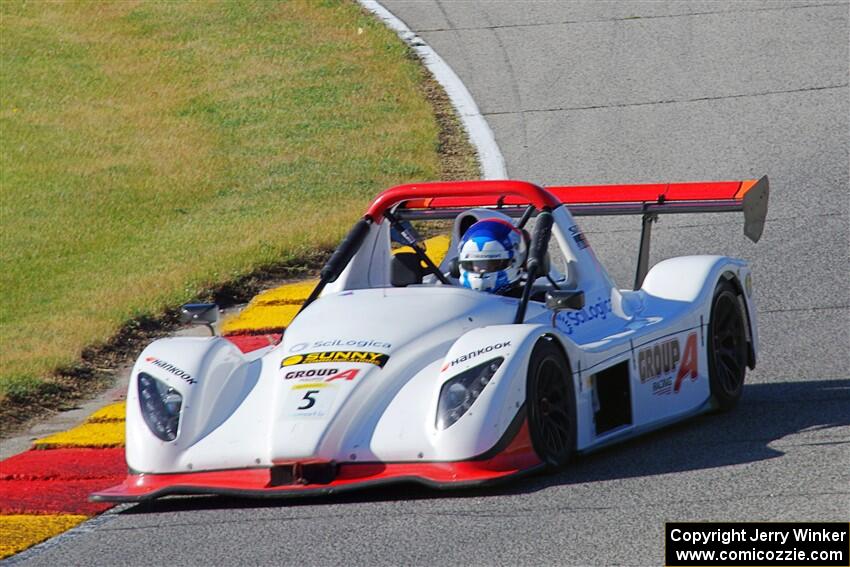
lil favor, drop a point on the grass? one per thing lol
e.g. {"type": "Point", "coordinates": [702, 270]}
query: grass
{"type": "Point", "coordinates": [150, 150]}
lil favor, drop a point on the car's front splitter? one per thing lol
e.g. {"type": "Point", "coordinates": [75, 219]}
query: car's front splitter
{"type": "Point", "coordinates": [516, 458]}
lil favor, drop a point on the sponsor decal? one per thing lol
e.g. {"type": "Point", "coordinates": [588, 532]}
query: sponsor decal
{"type": "Point", "coordinates": [658, 360]}
{"type": "Point", "coordinates": [571, 320]}
{"type": "Point", "coordinates": [663, 386]}
{"type": "Point", "coordinates": [349, 375]}
{"type": "Point", "coordinates": [475, 353]}
{"type": "Point", "coordinates": [377, 358]}
{"type": "Point", "coordinates": [182, 374]}
{"type": "Point", "coordinates": [331, 373]}
{"type": "Point", "coordinates": [355, 343]}
{"type": "Point", "coordinates": [578, 237]}
{"type": "Point", "coordinates": [340, 343]}
{"type": "Point", "coordinates": [689, 365]}
{"type": "Point", "coordinates": [659, 363]}
{"type": "Point", "coordinates": [310, 400]}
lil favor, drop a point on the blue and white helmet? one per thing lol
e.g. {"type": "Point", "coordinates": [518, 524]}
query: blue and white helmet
{"type": "Point", "coordinates": [491, 255]}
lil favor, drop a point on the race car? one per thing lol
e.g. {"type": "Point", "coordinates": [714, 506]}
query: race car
{"type": "Point", "coordinates": [393, 370]}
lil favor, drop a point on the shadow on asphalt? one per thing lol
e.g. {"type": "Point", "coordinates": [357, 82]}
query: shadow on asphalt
{"type": "Point", "coordinates": [767, 413]}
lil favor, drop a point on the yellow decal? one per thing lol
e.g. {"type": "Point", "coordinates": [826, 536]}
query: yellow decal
{"type": "Point", "coordinates": [308, 385]}
{"type": "Point", "coordinates": [377, 358]}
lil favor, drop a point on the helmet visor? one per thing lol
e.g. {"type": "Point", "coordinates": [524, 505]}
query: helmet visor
{"type": "Point", "coordinates": [484, 266]}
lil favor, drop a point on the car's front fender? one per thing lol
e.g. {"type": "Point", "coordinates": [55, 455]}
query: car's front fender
{"type": "Point", "coordinates": [408, 428]}
{"type": "Point", "coordinates": [212, 376]}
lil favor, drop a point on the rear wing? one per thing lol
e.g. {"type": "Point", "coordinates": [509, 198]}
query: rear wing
{"type": "Point", "coordinates": [650, 200]}
{"type": "Point", "coordinates": [657, 198]}
{"type": "Point", "coordinates": [446, 200]}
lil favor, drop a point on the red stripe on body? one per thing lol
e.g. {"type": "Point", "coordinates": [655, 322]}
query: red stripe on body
{"type": "Point", "coordinates": [517, 457]}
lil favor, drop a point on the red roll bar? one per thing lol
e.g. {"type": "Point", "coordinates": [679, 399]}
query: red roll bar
{"type": "Point", "coordinates": [490, 192]}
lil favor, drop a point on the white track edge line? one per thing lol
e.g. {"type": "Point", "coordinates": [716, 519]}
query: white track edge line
{"type": "Point", "coordinates": [480, 135]}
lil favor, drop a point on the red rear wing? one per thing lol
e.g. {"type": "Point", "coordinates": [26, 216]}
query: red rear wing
{"type": "Point", "coordinates": [710, 190]}
{"type": "Point", "coordinates": [446, 199]}
{"type": "Point", "coordinates": [749, 196]}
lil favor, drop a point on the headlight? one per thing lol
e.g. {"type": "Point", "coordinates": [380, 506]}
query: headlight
{"type": "Point", "coordinates": [160, 404]}
{"type": "Point", "coordinates": [459, 393]}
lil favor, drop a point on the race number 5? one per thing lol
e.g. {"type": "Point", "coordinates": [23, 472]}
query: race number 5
{"type": "Point", "coordinates": [311, 401]}
{"type": "Point", "coordinates": [308, 400]}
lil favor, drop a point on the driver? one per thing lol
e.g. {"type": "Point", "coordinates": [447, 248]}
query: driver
{"type": "Point", "coordinates": [491, 256]}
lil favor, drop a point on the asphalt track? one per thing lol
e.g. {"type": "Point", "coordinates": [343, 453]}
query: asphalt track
{"type": "Point", "coordinates": [597, 92]}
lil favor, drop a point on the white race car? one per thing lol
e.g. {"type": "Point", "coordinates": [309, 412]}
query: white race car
{"type": "Point", "coordinates": [394, 372]}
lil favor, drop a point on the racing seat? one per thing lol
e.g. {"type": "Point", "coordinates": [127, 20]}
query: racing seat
{"type": "Point", "coordinates": [406, 269]}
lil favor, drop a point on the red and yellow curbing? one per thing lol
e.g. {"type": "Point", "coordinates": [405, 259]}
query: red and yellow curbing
{"type": "Point", "coordinates": [104, 428]}
{"type": "Point", "coordinates": [44, 491]}
{"type": "Point", "coordinates": [97, 434]}
{"type": "Point", "coordinates": [111, 413]}
{"type": "Point", "coordinates": [21, 531]}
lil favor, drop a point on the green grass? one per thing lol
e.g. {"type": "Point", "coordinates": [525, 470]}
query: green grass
{"type": "Point", "coordinates": [150, 150]}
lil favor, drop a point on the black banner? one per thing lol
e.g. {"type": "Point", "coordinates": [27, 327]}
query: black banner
{"type": "Point", "coordinates": [762, 544]}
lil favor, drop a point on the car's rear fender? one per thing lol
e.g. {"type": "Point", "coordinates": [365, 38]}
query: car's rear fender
{"type": "Point", "coordinates": [693, 279]}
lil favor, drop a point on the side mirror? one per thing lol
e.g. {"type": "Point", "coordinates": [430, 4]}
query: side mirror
{"type": "Point", "coordinates": [558, 300]}
{"type": "Point", "coordinates": [200, 314]}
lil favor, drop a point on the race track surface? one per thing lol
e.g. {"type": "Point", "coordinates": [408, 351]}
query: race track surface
{"type": "Point", "coordinates": [596, 93]}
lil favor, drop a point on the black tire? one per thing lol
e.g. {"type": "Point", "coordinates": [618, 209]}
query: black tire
{"type": "Point", "coordinates": [727, 347]}
{"type": "Point", "coordinates": [550, 399]}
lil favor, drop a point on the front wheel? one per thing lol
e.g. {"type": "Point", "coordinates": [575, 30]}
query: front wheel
{"type": "Point", "coordinates": [727, 353]}
{"type": "Point", "coordinates": [551, 404]}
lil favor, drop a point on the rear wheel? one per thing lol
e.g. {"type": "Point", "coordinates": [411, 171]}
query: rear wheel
{"type": "Point", "coordinates": [727, 353]}
{"type": "Point", "coordinates": [551, 404]}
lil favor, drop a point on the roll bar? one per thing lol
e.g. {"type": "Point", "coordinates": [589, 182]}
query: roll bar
{"type": "Point", "coordinates": [505, 192]}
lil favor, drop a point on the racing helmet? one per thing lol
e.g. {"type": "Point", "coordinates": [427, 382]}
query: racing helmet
{"type": "Point", "coordinates": [491, 255]}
